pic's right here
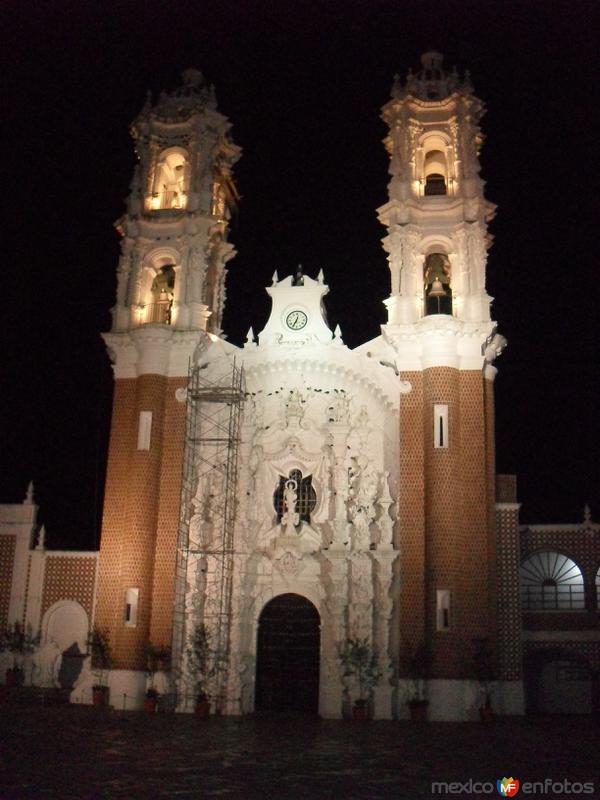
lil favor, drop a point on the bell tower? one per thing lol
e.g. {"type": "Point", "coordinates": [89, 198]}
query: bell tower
{"type": "Point", "coordinates": [170, 298]}
{"type": "Point", "coordinates": [436, 215]}
{"type": "Point", "coordinates": [445, 341]}
{"type": "Point", "coordinates": [174, 247]}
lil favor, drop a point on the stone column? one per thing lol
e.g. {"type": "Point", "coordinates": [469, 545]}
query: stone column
{"type": "Point", "coordinates": [333, 634]}
{"type": "Point", "coordinates": [383, 561]}
{"type": "Point", "coordinates": [341, 534]}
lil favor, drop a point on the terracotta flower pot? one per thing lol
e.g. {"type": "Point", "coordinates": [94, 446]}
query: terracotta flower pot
{"type": "Point", "coordinates": [150, 704]}
{"type": "Point", "coordinates": [100, 695]}
{"type": "Point", "coordinates": [418, 710]}
{"type": "Point", "coordinates": [202, 708]}
{"type": "Point", "coordinates": [486, 714]}
{"type": "Point", "coordinates": [12, 676]}
{"type": "Point", "coordinates": [359, 711]}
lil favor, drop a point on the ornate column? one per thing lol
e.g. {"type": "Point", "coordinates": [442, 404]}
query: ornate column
{"type": "Point", "coordinates": [195, 272]}
{"type": "Point", "coordinates": [120, 311]}
{"type": "Point", "coordinates": [339, 435]}
{"type": "Point", "coordinates": [383, 561]}
{"type": "Point", "coordinates": [335, 567]}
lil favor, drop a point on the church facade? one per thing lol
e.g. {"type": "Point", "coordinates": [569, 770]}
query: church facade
{"type": "Point", "coordinates": [290, 498]}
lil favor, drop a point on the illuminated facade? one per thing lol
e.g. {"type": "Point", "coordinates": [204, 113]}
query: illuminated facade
{"type": "Point", "coordinates": [292, 494]}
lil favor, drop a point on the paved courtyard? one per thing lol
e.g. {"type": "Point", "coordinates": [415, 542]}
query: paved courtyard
{"type": "Point", "coordinates": [81, 752]}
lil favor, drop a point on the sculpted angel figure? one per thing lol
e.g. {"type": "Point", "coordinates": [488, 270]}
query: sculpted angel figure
{"type": "Point", "coordinates": [290, 518]}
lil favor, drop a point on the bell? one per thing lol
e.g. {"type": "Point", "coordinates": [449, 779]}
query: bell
{"type": "Point", "coordinates": [437, 289]}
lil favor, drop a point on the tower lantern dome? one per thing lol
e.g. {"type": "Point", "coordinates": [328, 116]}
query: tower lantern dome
{"type": "Point", "coordinates": [431, 82]}
{"type": "Point", "coordinates": [437, 212]}
{"type": "Point", "coordinates": [178, 211]}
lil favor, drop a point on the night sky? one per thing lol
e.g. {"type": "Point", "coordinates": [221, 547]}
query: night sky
{"type": "Point", "coordinates": [302, 84]}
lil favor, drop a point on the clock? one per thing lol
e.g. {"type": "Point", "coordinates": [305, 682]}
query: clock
{"type": "Point", "coordinates": [296, 320]}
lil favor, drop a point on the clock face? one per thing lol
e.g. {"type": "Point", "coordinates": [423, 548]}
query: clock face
{"type": "Point", "coordinates": [296, 320]}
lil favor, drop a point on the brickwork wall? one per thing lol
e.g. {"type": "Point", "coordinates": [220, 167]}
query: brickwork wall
{"type": "Point", "coordinates": [69, 578]}
{"type": "Point", "coordinates": [168, 515]}
{"type": "Point", "coordinates": [123, 436]}
{"type": "Point", "coordinates": [7, 557]}
{"type": "Point", "coordinates": [506, 488]}
{"type": "Point", "coordinates": [510, 652]}
{"type": "Point", "coordinates": [27, 582]}
{"type": "Point", "coordinates": [130, 517]}
{"type": "Point", "coordinates": [477, 561]}
{"type": "Point", "coordinates": [561, 620]}
{"type": "Point", "coordinates": [442, 521]}
{"type": "Point", "coordinates": [588, 651]}
{"type": "Point", "coordinates": [447, 529]}
{"type": "Point", "coordinates": [492, 544]}
{"type": "Point", "coordinates": [411, 518]}
{"type": "Point", "coordinates": [139, 536]}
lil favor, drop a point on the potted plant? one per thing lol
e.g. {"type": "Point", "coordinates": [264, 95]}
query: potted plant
{"type": "Point", "coordinates": [419, 668]}
{"type": "Point", "coordinates": [21, 643]}
{"type": "Point", "coordinates": [99, 649]}
{"type": "Point", "coordinates": [483, 668]}
{"type": "Point", "coordinates": [360, 663]}
{"type": "Point", "coordinates": [157, 659]}
{"type": "Point", "coordinates": [199, 656]}
{"type": "Point", "coordinates": [151, 700]}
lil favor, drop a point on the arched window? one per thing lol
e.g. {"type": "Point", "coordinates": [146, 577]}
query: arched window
{"type": "Point", "coordinates": [438, 292]}
{"type": "Point", "coordinates": [435, 172]}
{"type": "Point", "coordinates": [305, 496]}
{"type": "Point", "coordinates": [162, 289]}
{"type": "Point", "coordinates": [551, 581]}
{"type": "Point", "coordinates": [171, 180]}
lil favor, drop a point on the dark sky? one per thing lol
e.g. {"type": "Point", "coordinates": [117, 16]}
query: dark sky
{"type": "Point", "coordinates": [302, 84]}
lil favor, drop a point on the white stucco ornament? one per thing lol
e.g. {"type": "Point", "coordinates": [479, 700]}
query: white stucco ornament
{"type": "Point", "coordinates": [317, 471]}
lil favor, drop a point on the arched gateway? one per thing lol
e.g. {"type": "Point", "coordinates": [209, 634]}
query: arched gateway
{"type": "Point", "coordinates": [288, 652]}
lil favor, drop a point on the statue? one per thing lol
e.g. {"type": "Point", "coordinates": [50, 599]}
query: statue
{"type": "Point", "coordinates": [290, 518]}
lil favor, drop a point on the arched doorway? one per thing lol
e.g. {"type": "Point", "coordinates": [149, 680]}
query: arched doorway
{"type": "Point", "coordinates": [287, 655]}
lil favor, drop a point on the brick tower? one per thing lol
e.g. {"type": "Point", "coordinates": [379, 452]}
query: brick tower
{"type": "Point", "coordinates": [170, 296]}
{"type": "Point", "coordinates": [439, 325]}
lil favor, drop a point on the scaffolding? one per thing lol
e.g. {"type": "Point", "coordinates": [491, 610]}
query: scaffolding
{"type": "Point", "coordinates": [207, 517]}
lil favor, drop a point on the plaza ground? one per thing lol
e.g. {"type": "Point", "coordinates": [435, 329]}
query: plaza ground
{"type": "Point", "coordinates": [85, 753]}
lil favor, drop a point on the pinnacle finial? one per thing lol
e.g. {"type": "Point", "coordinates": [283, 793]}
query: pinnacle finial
{"type": "Point", "coordinates": [28, 499]}
{"type": "Point", "coordinates": [587, 514]}
{"type": "Point", "coordinates": [41, 544]}
{"type": "Point", "coordinates": [432, 82]}
{"type": "Point", "coordinates": [321, 276]}
{"type": "Point", "coordinates": [192, 78]}
{"type": "Point", "coordinates": [298, 277]}
{"type": "Point", "coordinates": [250, 336]}
{"type": "Point", "coordinates": [275, 279]}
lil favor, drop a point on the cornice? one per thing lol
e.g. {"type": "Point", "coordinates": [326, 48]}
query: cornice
{"type": "Point", "coordinates": [381, 382]}
{"type": "Point", "coordinates": [438, 340]}
{"type": "Point", "coordinates": [153, 349]}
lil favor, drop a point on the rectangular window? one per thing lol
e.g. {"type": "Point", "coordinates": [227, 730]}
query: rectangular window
{"type": "Point", "coordinates": [440, 425]}
{"type": "Point", "coordinates": [443, 610]}
{"type": "Point", "coordinates": [144, 430]}
{"type": "Point", "coordinates": [131, 607]}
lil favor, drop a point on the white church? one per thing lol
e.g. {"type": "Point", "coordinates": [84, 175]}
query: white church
{"type": "Point", "coordinates": [292, 496]}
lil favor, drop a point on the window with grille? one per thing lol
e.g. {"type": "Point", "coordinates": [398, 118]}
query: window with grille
{"type": "Point", "coordinates": [306, 495]}
{"type": "Point", "coordinates": [551, 582]}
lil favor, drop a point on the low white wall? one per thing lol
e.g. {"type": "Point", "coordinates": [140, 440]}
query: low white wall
{"type": "Point", "coordinates": [127, 689]}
